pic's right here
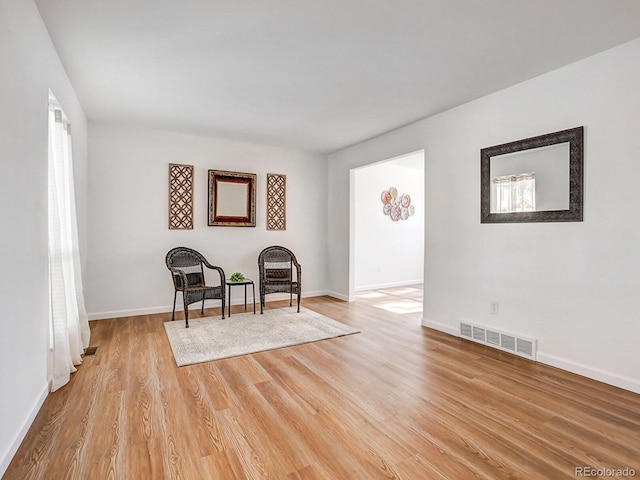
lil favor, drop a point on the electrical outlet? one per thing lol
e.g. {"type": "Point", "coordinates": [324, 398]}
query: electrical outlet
{"type": "Point", "coordinates": [493, 308]}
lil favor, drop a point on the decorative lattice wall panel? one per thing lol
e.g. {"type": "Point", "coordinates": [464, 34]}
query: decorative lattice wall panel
{"type": "Point", "coordinates": [180, 196]}
{"type": "Point", "coordinates": [276, 202]}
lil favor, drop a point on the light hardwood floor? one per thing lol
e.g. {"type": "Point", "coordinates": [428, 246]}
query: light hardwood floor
{"type": "Point", "coordinates": [396, 401]}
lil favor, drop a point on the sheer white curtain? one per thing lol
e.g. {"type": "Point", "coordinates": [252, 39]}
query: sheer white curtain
{"type": "Point", "coordinates": [514, 193]}
{"type": "Point", "coordinates": [69, 322]}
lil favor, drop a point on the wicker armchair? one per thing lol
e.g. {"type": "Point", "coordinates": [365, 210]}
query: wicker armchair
{"type": "Point", "coordinates": [187, 271]}
{"type": "Point", "coordinates": [276, 265]}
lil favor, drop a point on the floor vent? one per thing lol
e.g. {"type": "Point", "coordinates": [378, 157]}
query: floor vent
{"type": "Point", "coordinates": [516, 344]}
{"type": "Point", "coordinates": [90, 351]}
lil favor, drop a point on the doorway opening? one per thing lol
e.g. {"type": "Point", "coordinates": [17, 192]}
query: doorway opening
{"type": "Point", "coordinates": [387, 233]}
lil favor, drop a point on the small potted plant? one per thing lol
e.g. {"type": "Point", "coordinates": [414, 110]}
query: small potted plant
{"type": "Point", "coordinates": [237, 277]}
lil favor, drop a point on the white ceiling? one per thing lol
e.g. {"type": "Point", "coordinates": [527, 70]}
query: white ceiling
{"type": "Point", "coordinates": [316, 75]}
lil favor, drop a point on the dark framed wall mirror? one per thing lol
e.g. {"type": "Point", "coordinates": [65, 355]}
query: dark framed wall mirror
{"type": "Point", "coordinates": [538, 179]}
{"type": "Point", "coordinates": [232, 199]}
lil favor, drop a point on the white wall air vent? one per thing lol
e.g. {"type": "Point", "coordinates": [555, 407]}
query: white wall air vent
{"type": "Point", "coordinates": [465, 330]}
{"type": "Point", "coordinates": [509, 342]}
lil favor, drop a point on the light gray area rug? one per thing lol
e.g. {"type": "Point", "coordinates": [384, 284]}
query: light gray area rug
{"type": "Point", "coordinates": [213, 338]}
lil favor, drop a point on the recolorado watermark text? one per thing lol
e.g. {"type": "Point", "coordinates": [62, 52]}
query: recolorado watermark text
{"type": "Point", "coordinates": [592, 472]}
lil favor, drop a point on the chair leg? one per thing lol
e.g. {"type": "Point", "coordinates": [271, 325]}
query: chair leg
{"type": "Point", "coordinates": [173, 314]}
{"type": "Point", "coordinates": [223, 292]}
{"type": "Point", "coordinates": [298, 301]}
{"type": "Point", "coordinates": [186, 308]}
{"type": "Point", "coordinates": [261, 302]}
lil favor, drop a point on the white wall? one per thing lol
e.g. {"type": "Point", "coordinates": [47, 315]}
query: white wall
{"type": "Point", "coordinates": [388, 253]}
{"type": "Point", "coordinates": [573, 286]}
{"type": "Point", "coordinates": [30, 67]}
{"type": "Point", "coordinates": [128, 220]}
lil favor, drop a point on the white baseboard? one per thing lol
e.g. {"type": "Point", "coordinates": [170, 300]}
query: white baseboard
{"type": "Point", "coordinates": [404, 283]}
{"type": "Point", "coordinates": [441, 327]}
{"type": "Point", "coordinates": [593, 373]}
{"type": "Point", "coordinates": [616, 380]}
{"type": "Point", "coordinates": [131, 312]}
{"type": "Point", "coordinates": [168, 308]}
{"type": "Point", "coordinates": [339, 296]}
{"type": "Point", "coordinates": [7, 456]}
{"type": "Point", "coordinates": [609, 378]}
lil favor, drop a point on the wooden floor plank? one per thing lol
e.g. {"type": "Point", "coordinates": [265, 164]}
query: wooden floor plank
{"type": "Point", "coordinates": [396, 401]}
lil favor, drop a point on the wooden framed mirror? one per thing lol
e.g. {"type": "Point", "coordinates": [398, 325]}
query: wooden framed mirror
{"type": "Point", "coordinates": [538, 179]}
{"type": "Point", "coordinates": [232, 199]}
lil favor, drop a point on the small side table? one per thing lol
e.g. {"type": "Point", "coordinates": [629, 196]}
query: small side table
{"type": "Point", "coordinates": [245, 282]}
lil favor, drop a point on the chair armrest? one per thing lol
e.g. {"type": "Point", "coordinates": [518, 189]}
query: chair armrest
{"type": "Point", "coordinates": [181, 274]}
